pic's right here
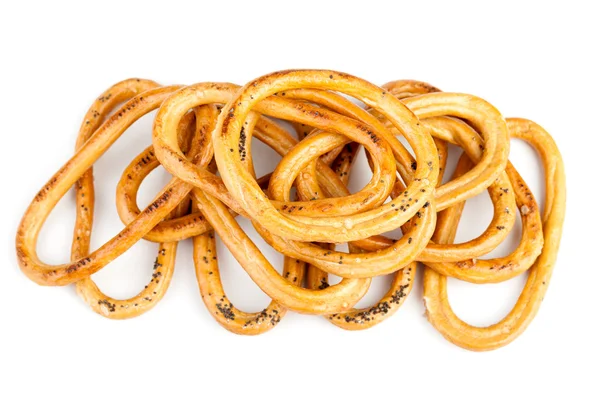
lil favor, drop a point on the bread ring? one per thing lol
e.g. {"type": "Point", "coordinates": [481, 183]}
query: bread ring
{"type": "Point", "coordinates": [328, 228]}
{"type": "Point", "coordinates": [163, 265]}
{"type": "Point", "coordinates": [440, 313]}
{"type": "Point", "coordinates": [59, 184]}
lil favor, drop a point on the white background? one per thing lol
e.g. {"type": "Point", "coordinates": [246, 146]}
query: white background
{"type": "Point", "coordinates": [534, 61]}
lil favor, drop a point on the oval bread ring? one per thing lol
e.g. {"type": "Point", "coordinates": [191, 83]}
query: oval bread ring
{"type": "Point", "coordinates": [240, 184]}
{"type": "Point", "coordinates": [209, 280]}
{"type": "Point", "coordinates": [164, 264]}
{"type": "Point", "coordinates": [492, 137]}
{"type": "Point", "coordinates": [501, 193]}
{"type": "Point", "coordinates": [337, 298]}
{"type": "Point", "coordinates": [216, 301]}
{"type": "Point", "coordinates": [67, 176]}
{"type": "Point", "coordinates": [503, 268]}
{"type": "Point", "coordinates": [435, 295]}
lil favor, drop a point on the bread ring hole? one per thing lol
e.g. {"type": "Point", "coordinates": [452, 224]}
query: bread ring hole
{"type": "Point", "coordinates": [484, 305]}
{"type": "Point", "coordinates": [126, 276]}
{"type": "Point", "coordinates": [56, 234]}
{"type": "Point", "coordinates": [454, 153]}
{"type": "Point", "coordinates": [490, 300]}
{"type": "Point", "coordinates": [361, 173]}
{"type": "Point", "coordinates": [527, 162]}
{"type": "Point", "coordinates": [265, 159]}
{"type": "Point", "coordinates": [243, 293]}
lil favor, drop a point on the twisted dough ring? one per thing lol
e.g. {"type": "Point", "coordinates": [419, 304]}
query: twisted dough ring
{"type": "Point", "coordinates": [197, 122]}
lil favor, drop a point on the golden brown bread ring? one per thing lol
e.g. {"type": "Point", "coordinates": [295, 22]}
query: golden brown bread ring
{"type": "Point", "coordinates": [502, 199]}
{"type": "Point", "coordinates": [485, 119]}
{"type": "Point", "coordinates": [295, 227]}
{"type": "Point", "coordinates": [208, 276]}
{"type": "Point", "coordinates": [503, 268]}
{"type": "Point", "coordinates": [96, 115]}
{"type": "Point", "coordinates": [171, 230]}
{"type": "Point", "coordinates": [206, 264]}
{"type": "Point", "coordinates": [147, 298]}
{"type": "Point", "coordinates": [492, 137]}
{"type": "Point", "coordinates": [216, 301]}
{"type": "Point", "coordinates": [67, 176]}
{"type": "Point", "coordinates": [358, 265]}
{"type": "Point", "coordinates": [502, 196]}
{"type": "Point", "coordinates": [440, 313]}
{"type": "Point", "coordinates": [164, 264]}
{"type": "Point", "coordinates": [127, 189]}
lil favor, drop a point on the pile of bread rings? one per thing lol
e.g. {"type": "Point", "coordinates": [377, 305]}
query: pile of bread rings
{"type": "Point", "coordinates": [202, 135]}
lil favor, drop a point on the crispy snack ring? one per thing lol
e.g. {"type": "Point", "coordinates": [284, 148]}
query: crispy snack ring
{"type": "Point", "coordinates": [203, 136]}
{"type": "Point", "coordinates": [229, 151]}
{"type": "Point", "coordinates": [207, 269]}
{"type": "Point", "coordinates": [69, 174]}
{"type": "Point", "coordinates": [440, 313]}
{"type": "Point", "coordinates": [164, 264]}
{"type": "Point", "coordinates": [493, 139]}
{"type": "Point", "coordinates": [213, 295]}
